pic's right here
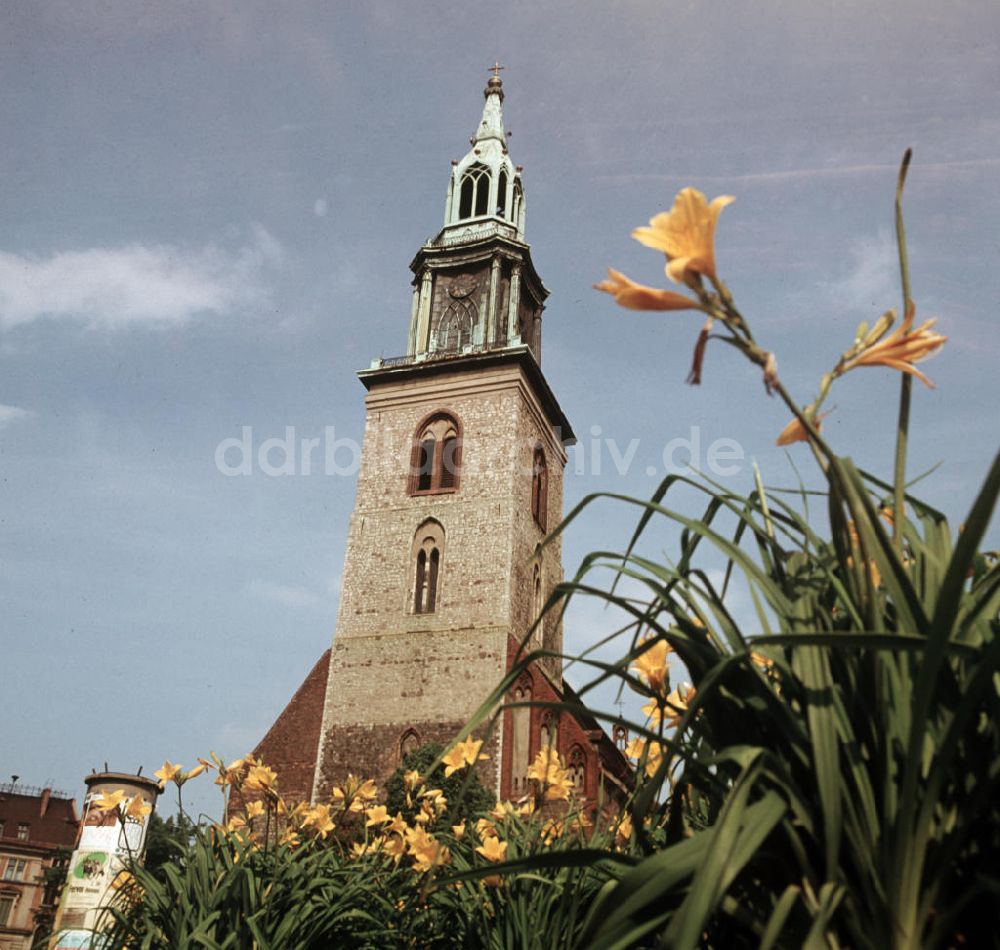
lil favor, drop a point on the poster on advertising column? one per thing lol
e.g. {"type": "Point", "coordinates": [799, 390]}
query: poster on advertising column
{"type": "Point", "coordinates": [116, 814]}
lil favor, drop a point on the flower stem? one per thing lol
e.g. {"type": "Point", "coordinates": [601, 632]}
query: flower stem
{"type": "Point", "coordinates": [906, 382]}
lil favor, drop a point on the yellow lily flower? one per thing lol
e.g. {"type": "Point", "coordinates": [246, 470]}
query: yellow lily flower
{"type": "Point", "coordinates": [168, 773]}
{"type": "Point", "coordinates": [110, 801]}
{"type": "Point", "coordinates": [686, 234]}
{"type": "Point", "coordinates": [463, 754]}
{"type": "Point", "coordinates": [138, 809]}
{"type": "Point", "coordinates": [633, 296]}
{"type": "Point", "coordinates": [902, 348]}
{"type": "Point", "coordinates": [493, 849]}
{"type": "Point", "coordinates": [651, 665]}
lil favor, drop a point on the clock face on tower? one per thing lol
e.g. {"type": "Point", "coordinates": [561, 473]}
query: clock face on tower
{"type": "Point", "coordinates": [461, 289]}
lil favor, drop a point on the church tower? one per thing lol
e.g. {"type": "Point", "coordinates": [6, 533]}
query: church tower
{"type": "Point", "coordinates": [461, 474]}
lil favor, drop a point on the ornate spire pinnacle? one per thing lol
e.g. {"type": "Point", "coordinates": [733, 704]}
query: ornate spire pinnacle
{"type": "Point", "coordinates": [491, 126]}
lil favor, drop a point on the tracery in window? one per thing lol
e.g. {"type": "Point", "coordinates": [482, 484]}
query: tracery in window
{"type": "Point", "coordinates": [455, 329]}
{"type": "Point", "coordinates": [437, 455]}
{"type": "Point", "coordinates": [428, 548]}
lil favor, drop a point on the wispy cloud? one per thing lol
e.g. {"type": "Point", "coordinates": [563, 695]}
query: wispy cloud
{"type": "Point", "coordinates": [288, 595]}
{"type": "Point", "coordinates": [807, 174]}
{"type": "Point", "coordinates": [9, 413]}
{"type": "Point", "coordinates": [158, 285]}
{"type": "Point", "coordinates": [871, 278]}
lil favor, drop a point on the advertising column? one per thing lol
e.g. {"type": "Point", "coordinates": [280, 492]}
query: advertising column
{"type": "Point", "coordinates": [116, 814]}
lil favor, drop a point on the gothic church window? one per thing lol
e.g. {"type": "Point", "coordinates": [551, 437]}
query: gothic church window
{"type": "Point", "coordinates": [428, 547]}
{"type": "Point", "coordinates": [475, 192]}
{"type": "Point", "coordinates": [578, 769]}
{"type": "Point", "coordinates": [436, 460]}
{"type": "Point", "coordinates": [539, 487]}
{"type": "Point", "coordinates": [520, 753]}
{"type": "Point", "coordinates": [537, 600]}
{"type": "Point", "coordinates": [502, 194]}
{"type": "Point", "coordinates": [456, 325]}
{"type": "Point", "coordinates": [409, 742]}
{"type": "Point", "coordinates": [550, 730]}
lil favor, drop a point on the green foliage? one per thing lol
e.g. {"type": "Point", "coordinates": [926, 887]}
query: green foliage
{"type": "Point", "coordinates": [467, 797]}
{"type": "Point", "coordinates": [226, 892]}
{"type": "Point", "coordinates": [167, 840]}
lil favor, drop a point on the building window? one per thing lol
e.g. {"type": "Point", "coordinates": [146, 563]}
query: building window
{"type": "Point", "coordinates": [537, 601]}
{"type": "Point", "coordinates": [15, 869]}
{"type": "Point", "coordinates": [520, 751]}
{"type": "Point", "coordinates": [22, 830]}
{"type": "Point", "coordinates": [3, 825]}
{"type": "Point", "coordinates": [408, 743]}
{"type": "Point", "coordinates": [502, 194]}
{"type": "Point", "coordinates": [455, 328]}
{"type": "Point", "coordinates": [7, 902]}
{"type": "Point", "coordinates": [539, 487]}
{"type": "Point", "coordinates": [550, 730]}
{"type": "Point", "coordinates": [578, 770]}
{"type": "Point", "coordinates": [428, 548]}
{"type": "Point", "coordinates": [475, 192]}
{"type": "Point", "coordinates": [437, 455]}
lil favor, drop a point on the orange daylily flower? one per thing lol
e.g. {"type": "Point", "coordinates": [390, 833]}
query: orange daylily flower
{"type": "Point", "coordinates": [903, 347]}
{"type": "Point", "coordinates": [138, 809]}
{"type": "Point", "coordinates": [796, 432]}
{"type": "Point", "coordinates": [651, 665]}
{"type": "Point", "coordinates": [110, 801]}
{"type": "Point", "coordinates": [493, 849]}
{"type": "Point", "coordinates": [463, 754]}
{"type": "Point", "coordinates": [686, 234]}
{"type": "Point", "coordinates": [678, 702]}
{"type": "Point", "coordinates": [633, 296]}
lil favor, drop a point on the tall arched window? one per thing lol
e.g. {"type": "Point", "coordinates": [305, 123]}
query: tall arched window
{"type": "Point", "coordinates": [550, 730]}
{"type": "Point", "coordinates": [502, 194]}
{"type": "Point", "coordinates": [455, 326]}
{"type": "Point", "coordinates": [520, 740]}
{"type": "Point", "coordinates": [474, 197]}
{"type": "Point", "coordinates": [428, 548]}
{"type": "Point", "coordinates": [409, 742]}
{"type": "Point", "coordinates": [539, 487]}
{"type": "Point", "coordinates": [578, 769]}
{"type": "Point", "coordinates": [436, 459]}
{"type": "Point", "coordinates": [537, 600]}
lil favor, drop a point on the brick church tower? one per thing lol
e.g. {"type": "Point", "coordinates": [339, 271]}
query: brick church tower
{"type": "Point", "coordinates": [461, 474]}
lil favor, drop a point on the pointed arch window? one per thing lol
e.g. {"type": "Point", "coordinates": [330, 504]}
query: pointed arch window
{"type": "Point", "coordinates": [578, 769]}
{"type": "Point", "coordinates": [520, 753]}
{"type": "Point", "coordinates": [428, 548]}
{"type": "Point", "coordinates": [539, 487]}
{"type": "Point", "coordinates": [537, 600]}
{"type": "Point", "coordinates": [474, 195]}
{"type": "Point", "coordinates": [436, 460]}
{"type": "Point", "coordinates": [455, 329]}
{"type": "Point", "coordinates": [409, 742]}
{"type": "Point", "coordinates": [550, 730]}
{"type": "Point", "coordinates": [502, 195]}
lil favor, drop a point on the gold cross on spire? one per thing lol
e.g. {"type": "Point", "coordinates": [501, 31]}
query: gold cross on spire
{"type": "Point", "coordinates": [495, 69]}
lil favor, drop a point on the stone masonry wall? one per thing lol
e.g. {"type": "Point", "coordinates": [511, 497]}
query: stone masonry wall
{"type": "Point", "coordinates": [390, 668]}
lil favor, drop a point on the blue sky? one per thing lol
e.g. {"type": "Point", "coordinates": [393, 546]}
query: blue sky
{"type": "Point", "coordinates": [208, 212]}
